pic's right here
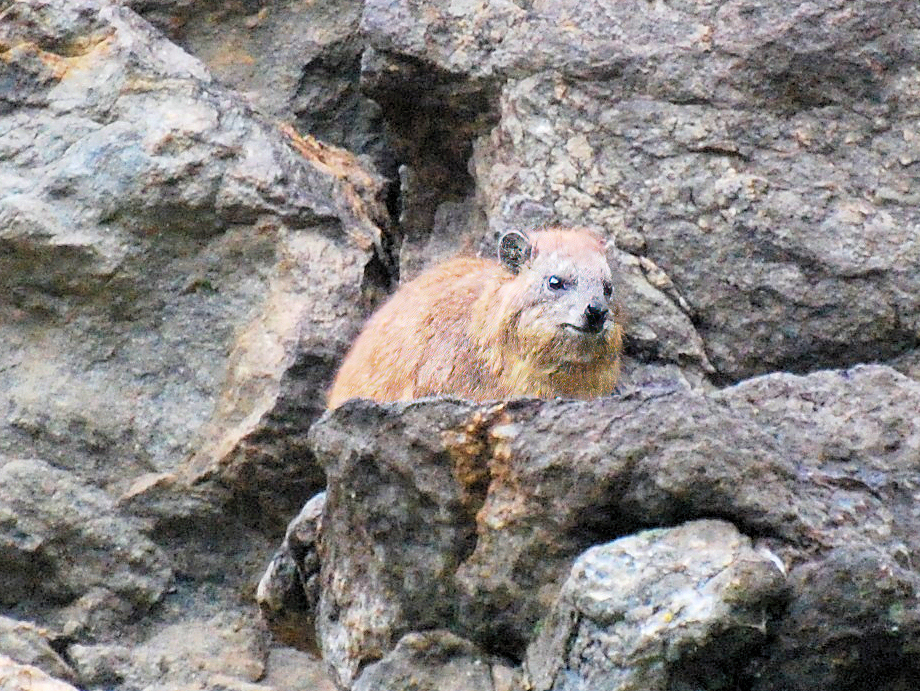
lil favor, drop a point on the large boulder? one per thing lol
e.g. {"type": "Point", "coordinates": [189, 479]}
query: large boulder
{"type": "Point", "coordinates": [442, 514]}
{"type": "Point", "coordinates": [666, 608]}
{"type": "Point", "coordinates": [178, 275]}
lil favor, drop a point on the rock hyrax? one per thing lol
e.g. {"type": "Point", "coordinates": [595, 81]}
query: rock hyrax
{"type": "Point", "coordinates": [542, 322]}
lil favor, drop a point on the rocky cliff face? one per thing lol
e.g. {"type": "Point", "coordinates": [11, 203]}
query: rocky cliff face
{"type": "Point", "coordinates": [201, 202]}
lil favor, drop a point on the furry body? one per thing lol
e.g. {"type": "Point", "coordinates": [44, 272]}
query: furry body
{"type": "Point", "coordinates": [474, 329]}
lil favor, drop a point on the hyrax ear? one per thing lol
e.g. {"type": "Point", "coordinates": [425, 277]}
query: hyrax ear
{"type": "Point", "coordinates": [514, 249]}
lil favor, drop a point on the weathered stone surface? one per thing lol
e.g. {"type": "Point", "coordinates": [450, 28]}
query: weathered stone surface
{"type": "Point", "coordinates": [666, 608]}
{"type": "Point", "coordinates": [432, 118]}
{"type": "Point", "coordinates": [202, 263]}
{"type": "Point", "coordinates": [396, 525]}
{"type": "Point", "coordinates": [292, 61]}
{"type": "Point", "coordinates": [62, 541]}
{"type": "Point", "coordinates": [289, 590]}
{"type": "Point", "coordinates": [759, 154]}
{"type": "Point", "coordinates": [178, 276]}
{"type": "Point", "coordinates": [279, 370]}
{"type": "Point", "coordinates": [565, 477]}
{"type": "Point", "coordinates": [28, 644]}
{"type": "Point", "coordinates": [194, 651]}
{"type": "Point", "coordinates": [19, 677]}
{"type": "Point", "coordinates": [657, 318]}
{"type": "Point", "coordinates": [719, 51]}
{"type": "Point", "coordinates": [908, 364]}
{"type": "Point", "coordinates": [292, 670]}
{"type": "Point", "coordinates": [856, 617]}
{"type": "Point", "coordinates": [101, 664]}
{"type": "Point", "coordinates": [445, 515]}
{"type": "Point", "coordinates": [435, 661]}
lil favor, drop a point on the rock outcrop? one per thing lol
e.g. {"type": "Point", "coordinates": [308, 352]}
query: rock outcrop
{"type": "Point", "coordinates": [445, 515]}
{"type": "Point", "coordinates": [201, 202]}
{"type": "Point", "coordinates": [178, 276]}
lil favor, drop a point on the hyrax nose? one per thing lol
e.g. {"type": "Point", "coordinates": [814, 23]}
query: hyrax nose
{"type": "Point", "coordinates": [595, 315]}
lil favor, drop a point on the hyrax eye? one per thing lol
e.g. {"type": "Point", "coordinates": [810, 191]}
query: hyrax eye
{"type": "Point", "coordinates": [555, 283]}
{"type": "Point", "coordinates": [608, 289]}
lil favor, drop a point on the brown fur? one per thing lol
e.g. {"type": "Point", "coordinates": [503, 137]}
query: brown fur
{"type": "Point", "coordinates": [471, 328]}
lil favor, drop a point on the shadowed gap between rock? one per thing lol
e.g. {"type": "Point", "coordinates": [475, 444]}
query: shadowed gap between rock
{"type": "Point", "coordinates": [431, 118]}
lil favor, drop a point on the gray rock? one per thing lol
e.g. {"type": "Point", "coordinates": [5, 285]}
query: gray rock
{"type": "Point", "coordinates": [65, 543]}
{"type": "Point", "coordinates": [291, 670]}
{"type": "Point", "coordinates": [178, 276]}
{"type": "Point", "coordinates": [15, 676]}
{"type": "Point", "coordinates": [444, 515]}
{"type": "Point", "coordinates": [659, 328]}
{"type": "Point", "coordinates": [278, 372]}
{"type": "Point", "coordinates": [289, 590]}
{"type": "Point", "coordinates": [723, 52]}
{"type": "Point", "coordinates": [101, 664]}
{"type": "Point", "coordinates": [395, 525]}
{"type": "Point", "coordinates": [860, 436]}
{"type": "Point", "coordinates": [193, 271]}
{"type": "Point", "coordinates": [663, 609]}
{"type": "Point", "coordinates": [435, 661]}
{"type": "Point", "coordinates": [565, 477]}
{"type": "Point", "coordinates": [222, 650]}
{"type": "Point", "coordinates": [28, 644]}
{"type": "Point", "coordinates": [293, 62]}
{"type": "Point", "coordinates": [908, 364]}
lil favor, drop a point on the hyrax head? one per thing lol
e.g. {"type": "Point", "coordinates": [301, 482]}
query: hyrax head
{"type": "Point", "coordinates": [563, 301]}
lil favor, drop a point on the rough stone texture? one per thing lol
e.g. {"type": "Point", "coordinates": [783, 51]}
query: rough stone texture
{"type": "Point", "coordinates": [391, 540]}
{"type": "Point", "coordinates": [703, 50]}
{"type": "Point", "coordinates": [761, 154]}
{"type": "Point", "coordinates": [858, 609]}
{"type": "Point", "coordinates": [436, 661]}
{"type": "Point", "coordinates": [298, 62]}
{"type": "Point", "coordinates": [19, 677]}
{"type": "Point", "coordinates": [73, 551]}
{"type": "Point", "coordinates": [28, 644]}
{"type": "Point", "coordinates": [666, 608]}
{"type": "Point", "coordinates": [180, 231]}
{"type": "Point", "coordinates": [292, 670]}
{"type": "Point", "coordinates": [659, 328]}
{"type": "Point", "coordinates": [288, 591]}
{"type": "Point", "coordinates": [469, 518]}
{"type": "Point", "coordinates": [180, 272]}
{"type": "Point", "coordinates": [184, 652]}
{"type": "Point", "coordinates": [178, 276]}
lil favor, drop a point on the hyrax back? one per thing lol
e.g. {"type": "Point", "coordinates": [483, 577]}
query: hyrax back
{"type": "Point", "coordinates": [544, 322]}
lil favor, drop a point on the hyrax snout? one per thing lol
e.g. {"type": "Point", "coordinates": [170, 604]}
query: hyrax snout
{"type": "Point", "coordinates": [543, 321]}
